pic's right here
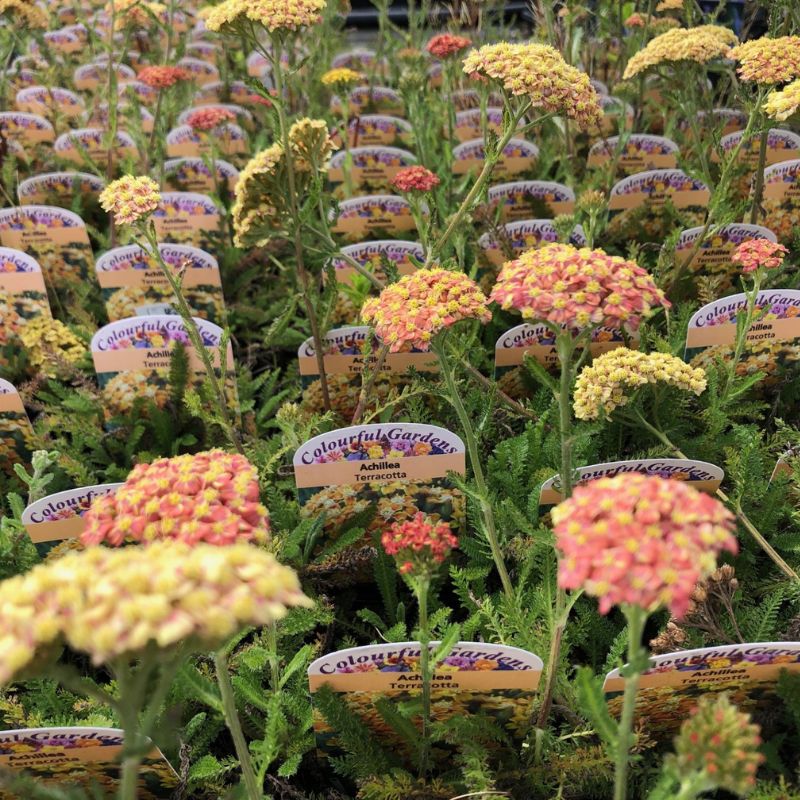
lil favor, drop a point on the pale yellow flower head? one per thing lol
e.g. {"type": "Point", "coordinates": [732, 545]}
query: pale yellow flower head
{"type": "Point", "coordinates": [783, 103]}
{"type": "Point", "coordinates": [23, 14]}
{"type": "Point", "coordinates": [274, 15]}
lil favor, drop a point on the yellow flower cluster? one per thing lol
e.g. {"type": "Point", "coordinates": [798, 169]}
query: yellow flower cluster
{"type": "Point", "coordinates": [768, 60]}
{"type": "Point", "coordinates": [783, 103]}
{"type": "Point", "coordinates": [111, 603]}
{"type": "Point", "coordinates": [670, 5]}
{"type": "Point", "coordinates": [261, 203]}
{"type": "Point", "coordinates": [604, 384]}
{"type": "Point", "coordinates": [50, 344]}
{"type": "Point", "coordinates": [538, 72]}
{"type": "Point", "coordinates": [700, 45]}
{"type": "Point", "coordinates": [274, 15]}
{"type": "Point", "coordinates": [341, 77]}
{"type": "Point", "coordinates": [23, 14]}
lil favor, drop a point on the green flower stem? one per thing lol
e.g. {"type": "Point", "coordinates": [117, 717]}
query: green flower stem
{"type": "Point", "coordinates": [422, 587]}
{"type": "Point", "coordinates": [185, 313]}
{"type": "Point", "coordinates": [758, 187]}
{"type": "Point", "coordinates": [235, 727]}
{"type": "Point", "coordinates": [466, 205]}
{"type": "Point", "coordinates": [302, 274]}
{"type": "Point", "coordinates": [487, 513]}
{"type": "Point", "coordinates": [741, 334]}
{"type": "Point", "coordinates": [637, 662]}
{"type": "Point", "coordinates": [366, 387]}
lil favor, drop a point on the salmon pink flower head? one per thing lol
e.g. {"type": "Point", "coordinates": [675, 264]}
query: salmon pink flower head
{"type": "Point", "coordinates": [206, 119]}
{"type": "Point", "coordinates": [415, 179]}
{"type": "Point", "coordinates": [755, 254]}
{"type": "Point", "coordinates": [274, 15]}
{"type": "Point", "coordinates": [419, 544]}
{"type": "Point", "coordinates": [113, 603]}
{"type": "Point", "coordinates": [539, 73]}
{"type": "Point", "coordinates": [635, 20]}
{"type": "Point", "coordinates": [577, 288]}
{"type": "Point", "coordinates": [209, 497]}
{"type": "Point", "coordinates": [409, 313]}
{"type": "Point", "coordinates": [640, 540]}
{"type": "Point", "coordinates": [130, 199]}
{"type": "Point", "coordinates": [768, 61]}
{"type": "Point", "coordinates": [446, 44]}
{"type": "Point", "coordinates": [159, 77]}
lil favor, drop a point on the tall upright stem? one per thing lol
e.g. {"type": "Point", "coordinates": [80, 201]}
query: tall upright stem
{"type": "Point", "coordinates": [423, 587]}
{"type": "Point", "coordinates": [758, 187]}
{"type": "Point", "coordinates": [487, 513]}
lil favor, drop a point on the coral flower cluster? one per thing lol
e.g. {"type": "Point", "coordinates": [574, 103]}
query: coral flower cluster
{"type": "Point", "coordinates": [112, 603]}
{"type": "Point", "coordinates": [446, 44]}
{"type": "Point", "coordinates": [700, 45]}
{"type": "Point", "coordinates": [640, 540]}
{"type": "Point", "coordinates": [415, 179]}
{"type": "Point", "coordinates": [209, 497]}
{"type": "Point", "coordinates": [24, 13]}
{"type": "Point", "coordinates": [577, 288]}
{"type": "Point", "coordinates": [755, 254]}
{"type": "Point", "coordinates": [419, 544]}
{"type": "Point", "coordinates": [635, 20]}
{"type": "Point", "coordinates": [783, 103]}
{"type": "Point", "coordinates": [607, 383]}
{"type": "Point", "coordinates": [769, 61]}
{"type": "Point", "coordinates": [538, 72]}
{"type": "Point", "coordinates": [130, 198]}
{"type": "Point", "coordinates": [409, 313]}
{"type": "Point", "coordinates": [206, 119]}
{"type": "Point", "coordinates": [274, 15]}
{"type": "Point", "coordinates": [721, 742]}
{"type": "Point", "coordinates": [162, 77]}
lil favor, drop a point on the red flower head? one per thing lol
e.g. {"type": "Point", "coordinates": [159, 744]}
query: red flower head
{"type": "Point", "coordinates": [640, 540]}
{"type": "Point", "coordinates": [445, 45]}
{"type": "Point", "coordinates": [759, 254]}
{"type": "Point", "coordinates": [206, 119]}
{"type": "Point", "coordinates": [418, 544]}
{"type": "Point", "coordinates": [163, 77]}
{"type": "Point", "coordinates": [415, 179]}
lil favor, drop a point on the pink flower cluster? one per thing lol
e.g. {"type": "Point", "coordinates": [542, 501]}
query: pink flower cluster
{"type": "Point", "coordinates": [757, 254]}
{"type": "Point", "coordinates": [206, 119]}
{"type": "Point", "coordinates": [415, 179]}
{"type": "Point", "coordinates": [418, 544]}
{"type": "Point", "coordinates": [158, 77]}
{"type": "Point", "coordinates": [565, 286]}
{"type": "Point", "coordinates": [640, 540]}
{"type": "Point", "coordinates": [209, 497]}
{"type": "Point", "coordinates": [446, 44]}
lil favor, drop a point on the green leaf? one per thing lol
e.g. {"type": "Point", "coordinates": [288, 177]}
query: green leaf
{"type": "Point", "coordinates": [593, 704]}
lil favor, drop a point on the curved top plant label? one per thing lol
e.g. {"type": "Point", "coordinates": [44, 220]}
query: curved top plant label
{"type": "Point", "coordinates": [781, 201]}
{"type": "Point", "coordinates": [379, 129]}
{"type": "Point", "coordinates": [518, 156]}
{"type": "Point", "coordinates": [228, 139]}
{"type": "Point", "coordinates": [370, 165]}
{"type": "Point", "coordinates": [10, 401]}
{"type": "Point", "coordinates": [617, 114]}
{"type": "Point", "coordinates": [728, 119]}
{"type": "Point", "coordinates": [51, 187]}
{"type": "Point", "coordinates": [92, 76]}
{"type": "Point", "coordinates": [377, 100]}
{"type": "Point", "coordinates": [207, 51]}
{"type": "Point", "coordinates": [91, 144]}
{"type": "Point", "coordinates": [60, 516]}
{"type": "Point", "coordinates": [670, 688]}
{"type": "Point", "coordinates": [360, 59]}
{"type": "Point", "coordinates": [377, 256]}
{"type": "Point", "coordinates": [781, 146]}
{"type": "Point", "coordinates": [351, 350]}
{"type": "Point", "coordinates": [464, 99]}
{"type": "Point", "coordinates": [188, 218]}
{"type": "Point", "coordinates": [22, 280]}
{"type": "Point", "coordinates": [378, 454]}
{"type": "Point", "coordinates": [195, 175]}
{"type": "Point", "coordinates": [213, 93]}
{"type": "Point", "coordinates": [26, 128]}
{"type": "Point", "coordinates": [531, 199]}
{"type": "Point", "coordinates": [16, 432]}
{"type": "Point", "coordinates": [374, 212]}
{"type": "Point", "coordinates": [200, 69]}
{"type": "Point", "coordinates": [524, 235]}
{"type": "Point", "coordinates": [49, 100]}
{"type": "Point", "coordinates": [473, 122]}
{"type": "Point", "coordinates": [699, 474]}
{"type": "Point", "coordinates": [713, 256]}
{"type": "Point", "coordinates": [637, 152]}
{"type": "Point", "coordinates": [655, 187]}
{"type": "Point", "coordinates": [140, 92]}
{"type": "Point", "coordinates": [777, 319]}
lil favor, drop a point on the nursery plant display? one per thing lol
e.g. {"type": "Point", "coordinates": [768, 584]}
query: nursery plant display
{"type": "Point", "coordinates": [404, 413]}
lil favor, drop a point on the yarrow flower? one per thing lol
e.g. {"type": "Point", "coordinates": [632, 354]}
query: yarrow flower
{"type": "Point", "coordinates": [768, 60]}
{"type": "Point", "coordinates": [24, 14]}
{"type": "Point", "coordinates": [341, 77]}
{"type": "Point", "coordinates": [130, 198]}
{"type": "Point", "coordinates": [670, 5]}
{"type": "Point", "coordinates": [783, 103]}
{"type": "Point", "coordinates": [635, 20]}
{"type": "Point", "coordinates": [446, 44]}
{"type": "Point", "coordinates": [606, 382]}
{"type": "Point", "coordinates": [565, 286]}
{"type": "Point", "coordinates": [757, 254]}
{"type": "Point", "coordinates": [415, 179]}
{"type": "Point", "coordinates": [209, 497]}
{"type": "Point", "coordinates": [699, 45]}
{"type": "Point", "coordinates": [409, 313]}
{"type": "Point", "coordinates": [419, 544]}
{"type": "Point", "coordinates": [50, 344]}
{"type": "Point", "coordinates": [721, 742]}
{"type": "Point", "coordinates": [112, 603]}
{"type": "Point", "coordinates": [640, 540]}
{"type": "Point", "coordinates": [274, 15]}
{"type": "Point", "coordinates": [206, 119]}
{"type": "Point", "coordinates": [159, 77]}
{"type": "Point", "coordinates": [538, 72]}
